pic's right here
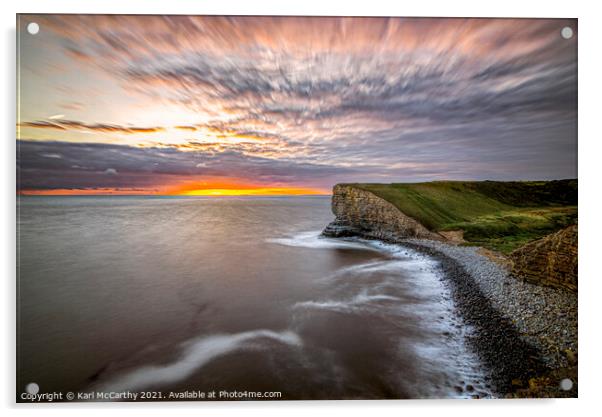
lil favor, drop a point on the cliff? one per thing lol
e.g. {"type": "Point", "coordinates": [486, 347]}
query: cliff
{"type": "Point", "coordinates": [529, 235]}
{"type": "Point", "coordinates": [550, 261]}
{"type": "Point", "coordinates": [497, 215]}
{"type": "Point", "coordinates": [360, 212]}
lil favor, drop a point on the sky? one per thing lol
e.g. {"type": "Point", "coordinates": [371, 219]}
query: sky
{"type": "Point", "coordinates": [214, 105]}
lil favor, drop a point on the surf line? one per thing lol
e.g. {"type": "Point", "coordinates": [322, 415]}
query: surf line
{"type": "Point", "coordinates": [194, 356]}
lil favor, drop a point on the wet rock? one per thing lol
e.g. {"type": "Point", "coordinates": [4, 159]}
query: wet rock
{"type": "Point", "coordinates": [339, 229]}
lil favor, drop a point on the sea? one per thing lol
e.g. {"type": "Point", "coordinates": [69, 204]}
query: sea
{"type": "Point", "coordinates": [240, 296]}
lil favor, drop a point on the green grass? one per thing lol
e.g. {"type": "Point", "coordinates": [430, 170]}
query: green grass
{"type": "Point", "coordinates": [497, 215]}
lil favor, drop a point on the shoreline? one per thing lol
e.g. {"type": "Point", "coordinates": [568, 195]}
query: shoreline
{"type": "Point", "coordinates": [495, 340]}
{"type": "Point", "coordinates": [516, 335]}
{"type": "Point", "coordinates": [543, 318]}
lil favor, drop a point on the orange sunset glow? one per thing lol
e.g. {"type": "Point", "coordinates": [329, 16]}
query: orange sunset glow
{"type": "Point", "coordinates": [216, 192]}
{"type": "Point", "coordinates": [207, 192]}
{"type": "Point", "coordinates": [217, 188]}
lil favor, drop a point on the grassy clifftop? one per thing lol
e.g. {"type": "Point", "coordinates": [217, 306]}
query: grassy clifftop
{"type": "Point", "coordinates": [495, 214]}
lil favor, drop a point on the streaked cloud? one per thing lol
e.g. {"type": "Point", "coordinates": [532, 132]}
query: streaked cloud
{"type": "Point", "coordinates": [100, 127]}
{"type": "Point", "coordinates": [357, 99]}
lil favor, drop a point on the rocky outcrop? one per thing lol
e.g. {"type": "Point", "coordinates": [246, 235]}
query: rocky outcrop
{"type": "Point", "coordinates": [361, 213]}
{"type": "Point", "coordinates": [550, 261]}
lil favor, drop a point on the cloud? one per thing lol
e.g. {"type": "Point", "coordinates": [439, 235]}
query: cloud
{"type": "Point", "coordinates": [321, 100]}
{"type": "Point", "coordinates": [72, 105]}
{"type": "Point", "coordinates": [52, 155]}
{"type": "Point", "coordinates": [44, 125]}
{"type": "Point", "coordinates": [95, 127]}
{"type": "Point", "coordinates": [218, 129]}
{"type": "Point", "coordinates": [84, 165]}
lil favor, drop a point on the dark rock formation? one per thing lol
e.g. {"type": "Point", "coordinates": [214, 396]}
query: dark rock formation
{"type": "Point", "coordinates": [551, 260]}
{"type": "Point", "coordinates": [361, 213]}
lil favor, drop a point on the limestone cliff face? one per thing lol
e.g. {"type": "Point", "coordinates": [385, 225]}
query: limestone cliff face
{"type": "Point", "coordinates": [361, 213]}
{"type": "Point", "coordinates": [551, 260]}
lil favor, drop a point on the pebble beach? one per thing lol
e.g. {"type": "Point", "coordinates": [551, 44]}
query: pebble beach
{"type": "Point", "coordinates": [523, 330]}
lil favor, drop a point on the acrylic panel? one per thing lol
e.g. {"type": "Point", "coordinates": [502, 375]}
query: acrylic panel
{"type": "Point", "coordinates": [278, 208]}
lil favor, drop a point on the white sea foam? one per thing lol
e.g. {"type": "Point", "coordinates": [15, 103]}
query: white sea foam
{"type": "Point", "coordinates": [358, 302]}
{"type": "Point", "coordinates": [418, 276]}
{"type": "Point", "coordinates": [315, 240]}
{"type": "Point", "coordinates": [361, 271]}
{"type": "Point", "coordinates": [195, 355]}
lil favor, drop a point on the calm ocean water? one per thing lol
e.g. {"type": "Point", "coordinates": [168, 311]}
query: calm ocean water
{"type": "Point", "coordinates": [171, 294]}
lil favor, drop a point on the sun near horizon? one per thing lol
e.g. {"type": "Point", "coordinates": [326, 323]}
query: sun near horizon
{"type": "Point", "coordinates": [206, 192]}
{"type": "Point", "coordinates": [218, 192]}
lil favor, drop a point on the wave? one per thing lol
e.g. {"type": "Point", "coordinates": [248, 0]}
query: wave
{"type": "Point", "coordinates": [196, 354]}
{"type": "Point", "coordinates": [315, 240]}
{"type": "Point", "coordinates": [366, 269]}
{"type": "Point", "coordinates": [403, 284]}
{"type": "Point", "coordinates": [358, 302]}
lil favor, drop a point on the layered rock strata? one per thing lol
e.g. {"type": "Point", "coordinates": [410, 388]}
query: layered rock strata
{"type": "Point", "coordinates": [361, 213]}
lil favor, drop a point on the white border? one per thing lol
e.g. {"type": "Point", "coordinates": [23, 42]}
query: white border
{"type": "Point", "coordinates": [461, 8]}
{"type": "Point", "coordinates": [590, 34]}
